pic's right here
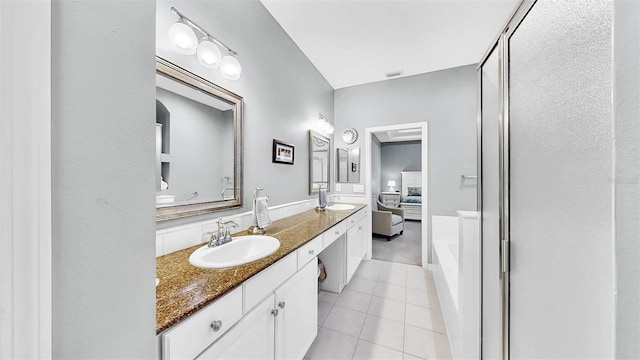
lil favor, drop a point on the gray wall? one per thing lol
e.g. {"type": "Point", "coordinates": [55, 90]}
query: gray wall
{"type": "Point", "coordinates": [283, 92]}
{"type": "Point", "coordinates": [396, 158]}
{"type": "Point", "coordinates": [447, 101]}
{"type": "Point", "coordinates": [627, 169]}
{"type": "Point", "coordinates": [103, 124]}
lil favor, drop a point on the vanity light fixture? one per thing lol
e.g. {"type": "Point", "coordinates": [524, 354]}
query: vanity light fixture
{"type": "Point", "coordinates": [183, 40]}
{"type": "Point", "coordinates": [188, 38]}
{"type": "Point", "coordinates": [324, 125]}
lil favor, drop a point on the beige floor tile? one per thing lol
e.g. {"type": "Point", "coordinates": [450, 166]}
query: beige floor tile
{"type": "Point", "coordinates": [331, 345]}
{"type": "Point", "coordinates": [383, 332]}
{"type": "Point", "coordinates": [422, 298]}
{"type": "Point", "coordinates": [354, 300]}
{"type": "Point", "coordinates": [387, 308]}
{"type": "Point", "coordinates": [323, 311]}
{"type": "Point", "coordinates": [389, 291]}
{"type": "Point", "coordinates": [426, 344]}
{"type": "Point", "coordinates": [328, 297]}
{"type": "Point", "coordinates": [366, 350]}
{"type": "Point", "coordinates": [362, 285]}
{"type": "Point", "coordinates": [345, 320]}
{"type": "Point", "coordinates": [426, 318]}
{"type": "Point", "coordinates": [394, 278]}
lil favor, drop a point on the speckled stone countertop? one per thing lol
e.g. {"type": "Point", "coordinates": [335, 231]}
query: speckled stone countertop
{"type": "Point", "coordinates": [184, 289]}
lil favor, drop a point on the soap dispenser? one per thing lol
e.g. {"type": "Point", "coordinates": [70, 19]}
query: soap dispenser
{"type": "Point", "coordinates": [322, 199]}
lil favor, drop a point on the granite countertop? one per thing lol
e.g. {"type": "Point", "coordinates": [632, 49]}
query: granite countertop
{"type": "Point", "coordinates": [184, 289]}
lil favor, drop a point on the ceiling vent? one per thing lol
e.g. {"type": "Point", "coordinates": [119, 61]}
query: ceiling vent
{"type": "Point", "coordinates": [394, 73]}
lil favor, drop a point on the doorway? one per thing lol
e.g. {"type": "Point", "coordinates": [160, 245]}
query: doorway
{"type": "Point", "coordinates": [402, 132]}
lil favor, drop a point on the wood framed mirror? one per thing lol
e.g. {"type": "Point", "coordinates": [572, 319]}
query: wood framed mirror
{"type": "Point", "coordinates": [319, 161]}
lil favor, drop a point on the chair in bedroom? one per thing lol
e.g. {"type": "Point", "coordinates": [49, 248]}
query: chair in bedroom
{"type": "Point", "coordinates": [387, 221]}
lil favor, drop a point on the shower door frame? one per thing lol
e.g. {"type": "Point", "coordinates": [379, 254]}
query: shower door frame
{"type": "Point", "coordinates": [500, 44]}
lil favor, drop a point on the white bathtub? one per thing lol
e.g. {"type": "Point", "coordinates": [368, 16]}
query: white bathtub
{"type": "Point", "coordinates": [444, 237]}
{"type": "Point", "coordinates": [455, 249]}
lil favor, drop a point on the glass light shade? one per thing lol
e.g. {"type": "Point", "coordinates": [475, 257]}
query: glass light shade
{"type": "Point", "coordinates": [230, 67]}
{"type": "Point", "coordinates": [324, 126]}
{"type": "Point", "coordinates": [182, 38]}
{"type": "Point", "coordinates": [209, 54]}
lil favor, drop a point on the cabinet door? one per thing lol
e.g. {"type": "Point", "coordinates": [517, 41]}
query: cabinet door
{"type": "Point", "coordinates": [356, 247]}
{"type": "Point", "coordinates": [297, 320]}
{"type": "Point", "coordinates": [251, 338]}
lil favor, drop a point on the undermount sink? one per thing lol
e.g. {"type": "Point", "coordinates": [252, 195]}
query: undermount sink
{"type": "Point", "coordinates": [340, 207]}
{"type": "Point", "coordinates": [241, 250]}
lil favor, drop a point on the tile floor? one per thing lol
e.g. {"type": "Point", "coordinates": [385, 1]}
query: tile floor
{"type": "Point", "coordinates": [388, 311]}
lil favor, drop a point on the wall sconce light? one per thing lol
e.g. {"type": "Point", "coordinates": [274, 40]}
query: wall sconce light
{"type": "Point", "coordinates": [188, 38]}
{"type": "Point", "coordinates": [391, 184]}
{"type": "Point", "coordinates": [324, 125]}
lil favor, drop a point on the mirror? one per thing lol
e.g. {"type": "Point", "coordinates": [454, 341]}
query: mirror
{"type": "Point", "coordinates": [319, 159]}
{"type": "Point", "coordinates": [348, 165]}
{"type": "Point", "coordinates": [198, 145]}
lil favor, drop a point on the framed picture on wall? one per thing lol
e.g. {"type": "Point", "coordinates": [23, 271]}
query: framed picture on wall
{"type": "Point", "coordinates": [283, 153]}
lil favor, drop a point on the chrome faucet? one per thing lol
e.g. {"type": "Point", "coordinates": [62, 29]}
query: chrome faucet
{"type": "Point", "coordinates": [223, 234]}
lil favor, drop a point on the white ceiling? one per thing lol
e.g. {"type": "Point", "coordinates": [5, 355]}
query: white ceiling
{"type": "Point", "coordinates": [354, 42]}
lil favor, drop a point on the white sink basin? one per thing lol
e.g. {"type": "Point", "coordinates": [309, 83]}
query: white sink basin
{"type": "Point", "coordinates": [242, 250]}
{"type": "Point", "coordinates": [339, 207]}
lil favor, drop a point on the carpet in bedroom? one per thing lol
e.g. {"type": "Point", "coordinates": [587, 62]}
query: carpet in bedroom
{"type": "Point", "coordinates": [405, 248]}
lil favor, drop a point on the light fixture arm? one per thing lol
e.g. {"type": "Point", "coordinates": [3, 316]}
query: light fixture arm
{"type": "Point", "coordinates": [205, 34]}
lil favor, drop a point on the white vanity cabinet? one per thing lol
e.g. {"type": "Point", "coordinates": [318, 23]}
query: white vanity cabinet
{"type": "Point", "coordinates": [187, 339]}
{"type": "Point", "coordinates": [356, 247]}
{"type": "Point", "coordinates": [272, 315]}
{"type": "Point", "coordinates": [251, 338]}
{"type": "Point", "coordinates": [282, 326]}
{"type": "Point", "coordinates": [345, 247]}
{"type": "Point", "coordinates": [297, 318]}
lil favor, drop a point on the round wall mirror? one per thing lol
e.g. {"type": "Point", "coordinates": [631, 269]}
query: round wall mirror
{"type": "Point", "coordinates": [350, 136]}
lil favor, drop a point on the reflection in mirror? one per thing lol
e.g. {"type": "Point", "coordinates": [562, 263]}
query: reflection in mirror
{"type": "Point", "coordinates": [319, 147]}
{"type": "Point", "coordinates": [198, 145]}
{"type": "Point", "coordinates": [348, 165]}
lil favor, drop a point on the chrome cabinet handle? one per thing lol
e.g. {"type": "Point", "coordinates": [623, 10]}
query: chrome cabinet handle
{"type": "Point", "coordinates": [281, 304]}
{"type": "Point", "coordinates": [311, 252]}
{"type": "Point", "coordinates": [216, 325]}
{"type": "Point", "coordinates": [274, 312]}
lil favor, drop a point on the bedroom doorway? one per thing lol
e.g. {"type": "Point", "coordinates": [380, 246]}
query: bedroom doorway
{"type": "Point", "coordinates": [400, 186]}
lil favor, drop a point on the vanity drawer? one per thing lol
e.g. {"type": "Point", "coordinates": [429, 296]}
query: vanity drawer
{"type": "Point", "coordinates": [262, 284]}
{"type": "Point", "coordinates": [308, 251]}
{"type": "Point", "coordinates": [190, 337]}
{"type": "Point", "coordinates": [329, 236]}
{"type": "Point", "coordinates": [353, 219]}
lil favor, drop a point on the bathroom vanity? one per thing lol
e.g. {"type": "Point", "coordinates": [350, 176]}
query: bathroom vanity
{"type": "Point", "coordinates": [266, 309]}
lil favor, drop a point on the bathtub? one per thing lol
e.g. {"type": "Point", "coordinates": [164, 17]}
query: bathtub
{"type": "Point", "coordinates": [457, 276]}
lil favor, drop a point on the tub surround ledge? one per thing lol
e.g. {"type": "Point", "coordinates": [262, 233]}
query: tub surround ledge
{"type": "Point", "coordinates": [185, 289]}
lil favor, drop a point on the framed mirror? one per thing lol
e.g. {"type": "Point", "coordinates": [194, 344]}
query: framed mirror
{"type": "Point", "coordinates": [319, 161]}
{"type": "Point", "coordinates": [348, 165]}
{"type": "Point", "coordinates": [198, 145]}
